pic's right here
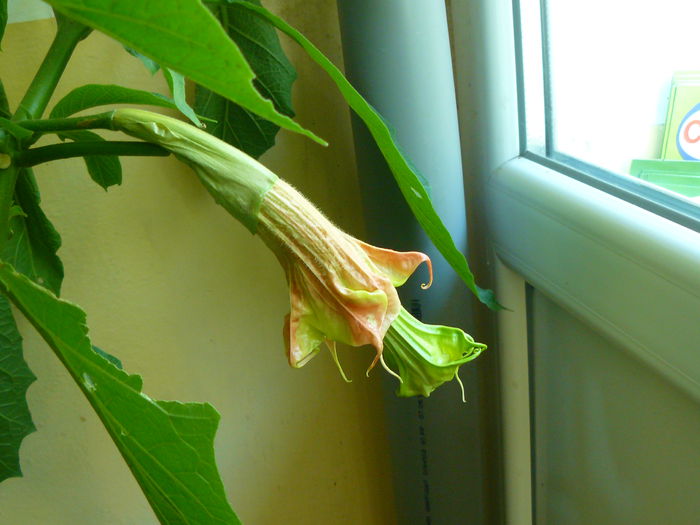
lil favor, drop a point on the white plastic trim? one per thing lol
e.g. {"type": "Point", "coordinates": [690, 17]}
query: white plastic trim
{"type": "Point", "coordinates": [515, 395]}
{"type": "Point", "coordinates": [629, 273]}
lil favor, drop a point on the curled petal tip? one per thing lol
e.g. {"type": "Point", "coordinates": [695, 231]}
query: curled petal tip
{"type": "Point", "coordinates": [391, 372]}
{"type": "Point", "coordinates": [334, 353]}
{"type": "Point", "coordinates": [377, 357]}
{"type": "Point", "coordinates": [427, 285]}
{"type": "Point", "coordinates": [461, 385]}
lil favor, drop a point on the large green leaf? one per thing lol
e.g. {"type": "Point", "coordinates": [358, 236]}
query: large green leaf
{"type": "Point", "coordinates": [182, 35]}
{"type": "Point", "coordinates": [405, 174]}
{"type": "Point", "coordinates": [105, 170]}
{"type": "Point", "coordinates": [3, 18]}
{"type": "Point", "coordinates": [168, 445]}
{"type": "Point", "coordinates": [32, 248]}
{"type": "Point", "coordinates": [15, 378]}
{"type": "Point", "coordinates": [34, 241]}
{"type": "Point", "coordinates": [94, 95]}
{"type": "Point", "coordinates": [258, 41]}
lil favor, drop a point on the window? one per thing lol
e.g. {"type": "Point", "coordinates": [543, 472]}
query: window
{"type": "Point", "coordinates": [610, 93]}
{"type": "Point", "coordinates": [607, 275]}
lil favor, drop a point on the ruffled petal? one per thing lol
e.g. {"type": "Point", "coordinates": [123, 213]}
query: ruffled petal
{"type": "Point", "coordinates": [302, 339]}
{"type": "Point", "coordinates": [324, 310]}
{"type": "Point", "coordinates": [397, 266]}
{"type": "Point", "coordinates": [364, 313]}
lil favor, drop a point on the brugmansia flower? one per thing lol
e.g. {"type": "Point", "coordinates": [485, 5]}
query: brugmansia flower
{"type": "Point", "coordinates": [341, 289]}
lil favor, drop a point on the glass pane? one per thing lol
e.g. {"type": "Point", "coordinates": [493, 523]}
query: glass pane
{"type": "Point", "coordinates": [620, 88]}
{"type": "Point", "coordinates": [533, 76]}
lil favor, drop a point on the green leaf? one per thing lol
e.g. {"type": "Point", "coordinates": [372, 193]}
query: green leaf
{"type": "Point", "coordinates": [15, 378]}
{"type": "Point", "coordinates": [93, 95]}
{"type": "Point", "coordinates": [182, 35]}
{"type": "Point", "coordinates": [109, 357]}
{"type": "Point", "coordinates": [151, 65]}
{"type": "Point", "coordinates": [258, 41]}
{"type": "Point", "coordinates": [3, 18]}
{"type": "Point", "coordinates": [406, 176]}
{"type": "Point", "coordinates": [33, 244]}
{"type": "Point", "coordinates": [105, 170]}
{"type": "Point", "coordinates": [168, 445]}
{"type": "Point", "coordinates": [176, 83]}
{"type": "Point", "coordinates": [233, 124]}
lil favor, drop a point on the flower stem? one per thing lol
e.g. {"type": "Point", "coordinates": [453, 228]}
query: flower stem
{"type": "Point", "coordinates": [42, 154]}
{"type": "Point", "coordinates": [4, 105]}
{"type": "Point", "coordinates": [52, 125]}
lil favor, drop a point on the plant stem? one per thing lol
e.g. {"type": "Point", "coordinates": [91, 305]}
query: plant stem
{"type": "Point", "coordinates": [8, 178]}
{"type": "Point", "coordinates": [35, 156]}
{"type": "Point", "coordinates": [97, 121]}
{"type": "Point", "coordinates": [37, 97]}
{"type": "Point", "coordinates": [4, 104]}
{"type": "Point", "coordinates": [8, 175]}
{"type": "Point", "coordinates": [4, 112]}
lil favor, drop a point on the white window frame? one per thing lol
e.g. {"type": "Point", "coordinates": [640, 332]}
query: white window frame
{"type": "Point", "coordinates": [627, 272]}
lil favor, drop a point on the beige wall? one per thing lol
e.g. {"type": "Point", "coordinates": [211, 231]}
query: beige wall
{"type": "Point", "coordinates": [186, 297]}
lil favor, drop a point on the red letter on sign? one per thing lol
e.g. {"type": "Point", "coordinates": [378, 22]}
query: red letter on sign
{"type": "Point", "coordinates": [686, 132]}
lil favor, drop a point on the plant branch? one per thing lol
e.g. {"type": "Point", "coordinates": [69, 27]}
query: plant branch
{"type": "Point", "coordinates": [8, 178]}
{"type": "Point", "coordinates": [34, 156]}
{"type": "Point", "coordinates": [37, 97]}
{"type": "Point", "coordinates": [4, 104]}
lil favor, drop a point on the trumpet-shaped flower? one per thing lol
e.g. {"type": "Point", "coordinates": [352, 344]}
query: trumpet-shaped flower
{"type": "Point", "coordinates": [341, 289]}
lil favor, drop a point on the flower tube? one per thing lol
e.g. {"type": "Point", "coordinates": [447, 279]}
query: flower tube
{"type": "Point", "coordinates": [341, 289]}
